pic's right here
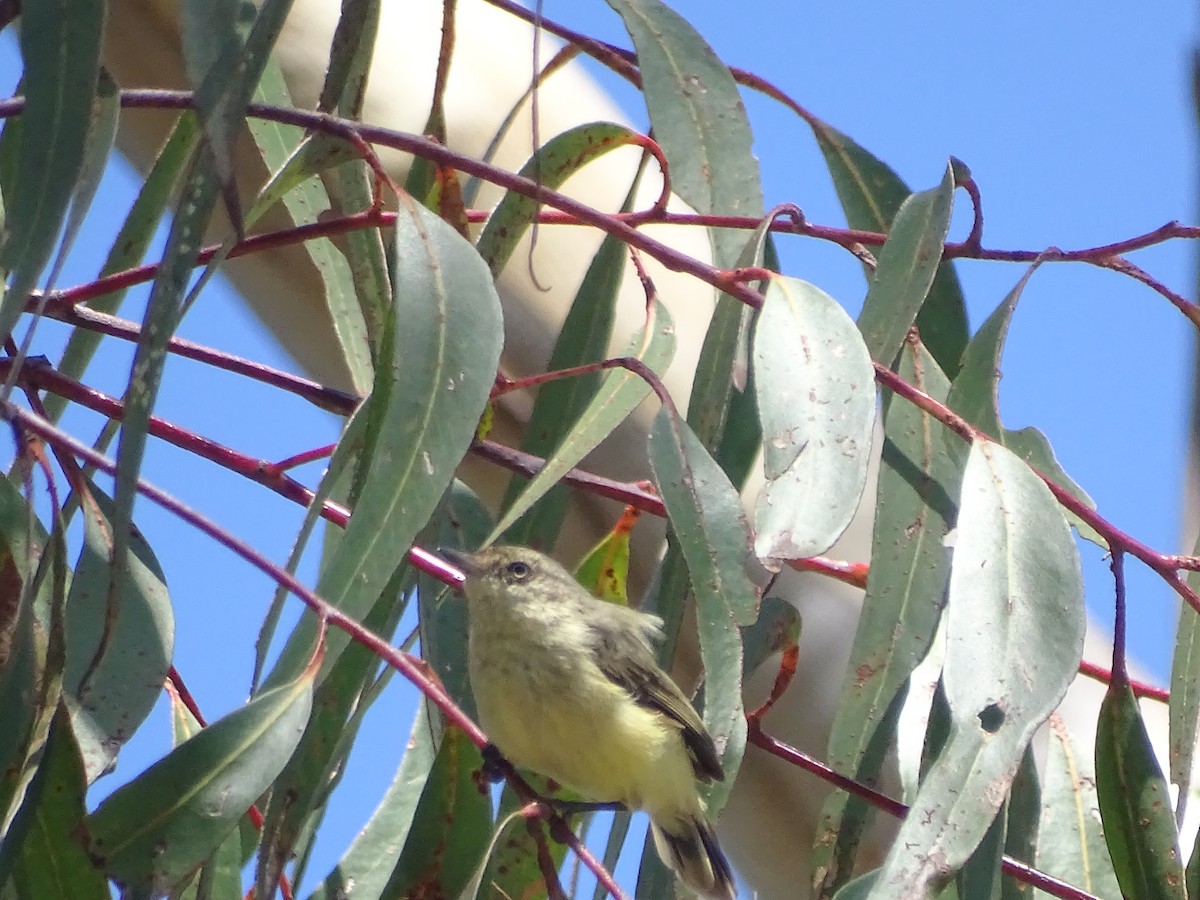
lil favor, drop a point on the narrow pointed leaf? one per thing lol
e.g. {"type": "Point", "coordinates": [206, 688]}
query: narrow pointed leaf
{"type": "Point", "coordinates": [60, 44]}
{"type": "Point", "coordinates": [697, 116]}
{"type": "Point", "coordinates": [707, 520]}
{"type": "Point", "coordinates": [907, 264]}
{"type": "Point", "coordinates": [917, 495]}
{"type": "Point", "coordinates": [558, 160]}
{"type": "Point", "coordinates": [724, 354]}
{"type": "Point", "coordinates": [1184, 703]}
{"type": "Point", "coordinates": [1070, 840]}
{"type": "Point", "coordinates": [305, 199]}
{"type": "Point", "coordinates": [52, 861]}
{"type": "Point", "coordinates": [155, 830]}
{"type": "Point", "coordinates": [619, 394]}
{"type": "Point", "coordinates": [430, 390]}
{"type": "Point", "coordinates": [118, 656]}
{"type": "Point", "coordinates": [583, 338]}
{"type": "Point", "coordinates": [1015, 623]}
{"type": "Point", "coordinates": [816, 398]}
{"type": "Point", "coordinates": [871, 193]}
{"type": "Point", "coordinates": [1135, 806]}
{"type": "Point", "coordinates": [975, 395]}
{"type": "Point", "coordinates": [450, 827]}
{"type": "Point", "coordinates": [368, 863]}
{"type": "Point", "coordinates": [130, 246]}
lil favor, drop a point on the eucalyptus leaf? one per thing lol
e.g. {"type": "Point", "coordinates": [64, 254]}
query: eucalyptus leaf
{"type": "Point", "coordinates": [816, 399]}
{"type": "Point", "coordinates": [697, 116]}
{"type": "Point", "coordinates": [1015, 631]}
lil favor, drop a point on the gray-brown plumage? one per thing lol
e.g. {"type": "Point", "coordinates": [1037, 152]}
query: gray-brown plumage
{"type": "Point", "coordinates": [554, 671]}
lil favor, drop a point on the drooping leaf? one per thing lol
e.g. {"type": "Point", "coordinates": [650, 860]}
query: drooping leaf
{"type": "Point", "coordinates": [305, 199]}
{"type": "Point", "coordinates": [1015, 623]}
{"type": "Point", "coordinates": [724, 355]}
{"type": "Point", "coordinates": [554, 163]}
{"type": "Point", "coordinates": [871, 193]}
{"type": "Point", "coordinates": [129, 246]}
{"type": "Point", "coordinates": [151, 833]}
{"type": "Point", "coordinates": [167, 302]}
{"type": "Point", "coordinates": [52, 861]}
{"type": "Point", "coordinates": [907, 265]}
{"type": "Point", "coordinates": [619, 394]}
{"type": "Point", "coordinates": [368, 863]}
{"type": "Point", "coordinates": [707, 520]}
{"type": "Point", "coordinates": [583, 338]}
{"type": "Point", "coordinates": [1135, 806]}
{"type": "Point", "coordinates": [60, 45]}
{"type": "Point", "coordinates": [975, 396]}
{"type": "Point", "coordinates": [450, 827]}
{"type": "Point", "coordinates": [910, 566]}
{"type": "Point", "coordinates": [444, 345]}
{"type": "Point", "coordinates": [1184, 704]}
{"type": "Point", "coordinates": [118, 648]}
{"type": "Point", "coordinates": [697, 116]}
{"type": "Point", "coordinates": [816, 398]}
{"type": "Point", "coordinates": [1070, 840]}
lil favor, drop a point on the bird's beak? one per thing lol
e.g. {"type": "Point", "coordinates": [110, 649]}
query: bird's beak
{"type": "Point", "coordinates": [463, 561]}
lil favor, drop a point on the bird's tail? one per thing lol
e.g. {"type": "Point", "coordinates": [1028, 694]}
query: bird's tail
{"type": "Point", "coordinates": [689, 847]}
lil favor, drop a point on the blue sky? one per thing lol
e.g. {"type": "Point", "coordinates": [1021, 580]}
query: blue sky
{"type": "Point", "coordinates": [1076, 123]}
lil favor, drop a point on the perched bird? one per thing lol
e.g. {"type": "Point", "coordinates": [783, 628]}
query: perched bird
{"type": "Point", "coordinates": [567, 685]}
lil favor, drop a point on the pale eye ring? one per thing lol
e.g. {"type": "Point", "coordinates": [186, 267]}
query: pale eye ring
{"type": "Point", "coordinates": [518, 570]}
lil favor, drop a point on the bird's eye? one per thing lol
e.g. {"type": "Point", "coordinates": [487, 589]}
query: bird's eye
{"type": "Point", "coordinates": [518, 570]}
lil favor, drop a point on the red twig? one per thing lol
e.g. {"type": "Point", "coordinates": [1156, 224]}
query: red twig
{"type": "Point", "coordinates": [1025, 873]}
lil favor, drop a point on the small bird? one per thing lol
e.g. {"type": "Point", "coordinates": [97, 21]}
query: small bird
{"type": "Point", "coordinates": [567, 685]}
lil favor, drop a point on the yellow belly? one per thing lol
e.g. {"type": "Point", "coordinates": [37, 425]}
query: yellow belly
{"type": "Point", "coordinates": [590, 736]}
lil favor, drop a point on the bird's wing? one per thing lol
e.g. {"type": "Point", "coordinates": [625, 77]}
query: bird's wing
{"type": "Point", "coordinates": [629, 663]}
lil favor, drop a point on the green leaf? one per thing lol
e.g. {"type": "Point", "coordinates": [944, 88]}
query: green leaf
{"type": "Point", "coordinates": [1014, 638]}
{"type": "Point", "coordinates": [722, 366]}
{"type": "Point", "coordinates": [1070, 840]}
{"type": "Point", "coordinates": [778, 626]}
{"type": "Point", "coordinates": [220, 876]}
{"type": "Point", "coordinates": [618, 395]}
{"type": "Point", "coordinates": [975, 396]}
{"type": "Point", "coordinates": [907, 264]}
{"type": "Point", "coordinates": [1135, 806]}
{"type": "Point", "coordinates": [871, 193]}
{"type": "Point", "coordinates": [130, 246]}
{"type": "Point", "coordinates": [583, 338]}
{"type": "Point", "coordinates": [979, 877]}
{"type": "Point", "coordinates": [305, 198]}
{"type": "Point", "coordinates": [450, 827]}
{"type": "Point", "coordinates": [697, 117]}
{"type": "Point", "coordinates": [910, 567]}
{"type": "Point", "coordinates": [816, 398]}
{"type": "Point", "coordinates": [300, 792]}
{"type": "Point", "coordinates": [151, 833]}
{"type": "Point", "coordinates": [369, 862]}
{"type": "Point", "coordinates": [1021, 812]}
{"type": "Point", "coordinates": [1184, 703]}
{"type": "Point", "coordinates": [443, 349]}
{"type": "Point", "coordinates": [52, 861]}
{"type": "Point", "coordinates": [461, 522]}
{"type": "Point", "coordinates": [60, 44]}
{"type": "Point", "coordinates": [98, 145]}
{"type": "Point", "coordinates": [22, 664]}
{"type": "Point", "coordinates": [118, 648]}
{"type": "Point", "coordinates": [553, 164]}
{"type": "Point", "coordinates": [214, 36]}
{"type": "Point", "coordinates": [166, 306]}
{"type": "Point", "coordinates": [706, 517]}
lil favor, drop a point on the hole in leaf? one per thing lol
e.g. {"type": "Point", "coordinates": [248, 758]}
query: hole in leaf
{"type": "Point", "coordinates": [991, 717]}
